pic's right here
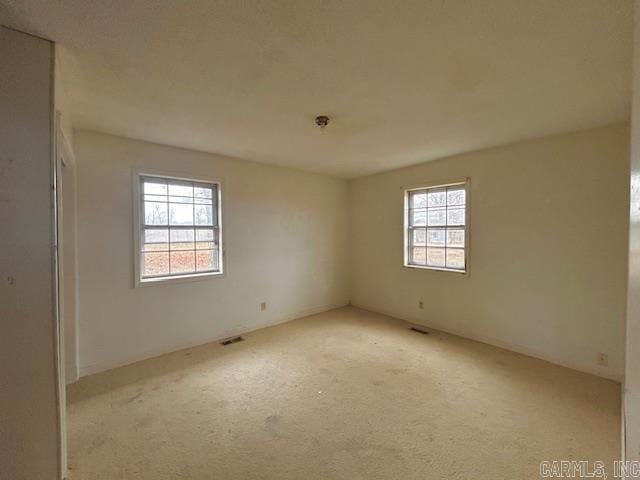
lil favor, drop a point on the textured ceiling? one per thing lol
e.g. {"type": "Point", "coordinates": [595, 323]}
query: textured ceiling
{"type": "Point", "coordinates": [403, 81]}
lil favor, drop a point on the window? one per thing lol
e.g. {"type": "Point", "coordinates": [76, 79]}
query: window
{"type": "Point", "coordinates": [436, 227]}
{"type": "Point", "coordinates": [179, 232]}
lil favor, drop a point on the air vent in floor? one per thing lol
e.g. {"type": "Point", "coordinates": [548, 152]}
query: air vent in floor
{"type": "Point", "coordinates": [229, 341]}
{"type": "Point", "coordinates": [419, 330]}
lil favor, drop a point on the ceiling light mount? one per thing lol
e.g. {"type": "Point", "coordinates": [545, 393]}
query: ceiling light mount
{"type": "Point", "coordinates": [322, 121]}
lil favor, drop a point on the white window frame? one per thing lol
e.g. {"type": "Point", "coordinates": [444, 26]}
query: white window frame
{"type": "Point", "coordinates": [407, 190]}
{"type": "Point", "coordinates": [137, 228]}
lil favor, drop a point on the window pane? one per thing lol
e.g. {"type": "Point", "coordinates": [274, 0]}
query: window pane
{"type": "Point", "coordinates": [435, 257]}
{"type": "Point", "coordinates": [170, 242]}
{"type": "Point", "coordinates": [155, 239]}
{"type": "Point", "coordinates": [182, 239]}
{"type": "Point", "coordinates": [154, 187]}
{"type": "Point", "coordinates": [456, 196]}
{"type": "Point", "coordinates": [183, 189]}
{"type": "Point", "coordinates": [155, 213]}
{"type": "Point", "coordinates": [155, 198]}
{"type": "Point", "coordinates": [419, 236]}
{"type": "Point", "coordinates": [154, 264]}
{"type": "Point", "coordinates": [436, 217]}
{"type": "Point", "coordinates": [436, 198]}
{"type": "Point", "coordinates": [455, 237]}
{"type": "Point", "coordinates": [205, 245]}
{"type": "Point", "coordinates": [204, 214]}
{"type": "Point", "coordinates": [200, 191]}
{"type": "Point", "coordinates": [455, 258]}
{"type": "Point", "coordinates": [418, 217]}
{"type": "Point", "coordinates": [418, 255]}
{"type": "Point", "coordinates": [435, 237]}
{"type": "Point", "coordinates": [439, 240]}
{"type": "Point", "coordinates": [183, 262]}
{"type": "Point", "coordinates": [419, 200]}
{"type": "Point", "coordinates": [176, 199]}
{"type": "Point", "coordinates": [181, 214]}
{"type": "Point", "coordinates": [205, 238]}
{"type": "Point", "coordinates": [455, 216]}
{"type": "Point", "coordinates": [206, 260]}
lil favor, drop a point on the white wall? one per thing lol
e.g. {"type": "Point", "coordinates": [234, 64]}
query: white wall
{"type": "Point", "coordinates": [547, 273]}
{"type": "Point", "coordinates": [29, 429]}
{"type": "Point", "coordinates": [632, 370]}
{"type": "Point", "coordinates": [286, 244]}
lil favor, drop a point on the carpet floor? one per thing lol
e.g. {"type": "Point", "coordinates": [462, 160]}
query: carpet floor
{"type": "Point", "coordinates": [345, 394]}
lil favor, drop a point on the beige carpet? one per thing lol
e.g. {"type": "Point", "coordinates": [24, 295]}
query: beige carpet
{"type": "Point", "coordinates": [346, 394]}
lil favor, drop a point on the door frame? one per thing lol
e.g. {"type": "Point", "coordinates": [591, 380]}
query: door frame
{"type": "Point", "coordinates": [63, 160]}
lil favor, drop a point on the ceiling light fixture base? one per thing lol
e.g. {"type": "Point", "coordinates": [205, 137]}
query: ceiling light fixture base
{"type": "Point", "coordinates": [322, 121]}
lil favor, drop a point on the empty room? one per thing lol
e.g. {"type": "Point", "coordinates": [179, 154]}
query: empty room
{"type": "Point", "coordinates": [288, 240]}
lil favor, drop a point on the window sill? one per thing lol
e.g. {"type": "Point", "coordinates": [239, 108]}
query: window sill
{"type": "Point", "coordinates": [193, 277]}
{"type": "Point", "coordinates": [437, 269]}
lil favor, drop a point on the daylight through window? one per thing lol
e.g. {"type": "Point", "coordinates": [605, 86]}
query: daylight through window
{"type": "Point", "coordinates": [436, 227]}
{"type": "Point", "coordinates": [179, 228]}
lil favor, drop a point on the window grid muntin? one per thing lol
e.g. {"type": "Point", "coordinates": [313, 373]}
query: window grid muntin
{"type": "Point", "coordinates": [213, 201]}
{"type": "Point", "coordinates": [411, 228]}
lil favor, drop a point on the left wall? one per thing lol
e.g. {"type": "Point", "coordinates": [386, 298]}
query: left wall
{"type": "Point", "coordinates": [29, 420]}
{"type": "Point", "coordinates": [286, 245]}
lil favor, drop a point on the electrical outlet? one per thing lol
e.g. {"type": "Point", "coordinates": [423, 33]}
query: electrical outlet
{"type": "Point", "coordinates": [421, 305]}
{"type": "Point", "coordinates": [263, 306]}
{"type": "Point", "coordinates": [603, 359]}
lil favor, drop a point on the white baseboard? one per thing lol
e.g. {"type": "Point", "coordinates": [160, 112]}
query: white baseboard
{"type": "Point", "coordinates": [531, 352]}
{"type": "Point", "coordinates": [241, 330]}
